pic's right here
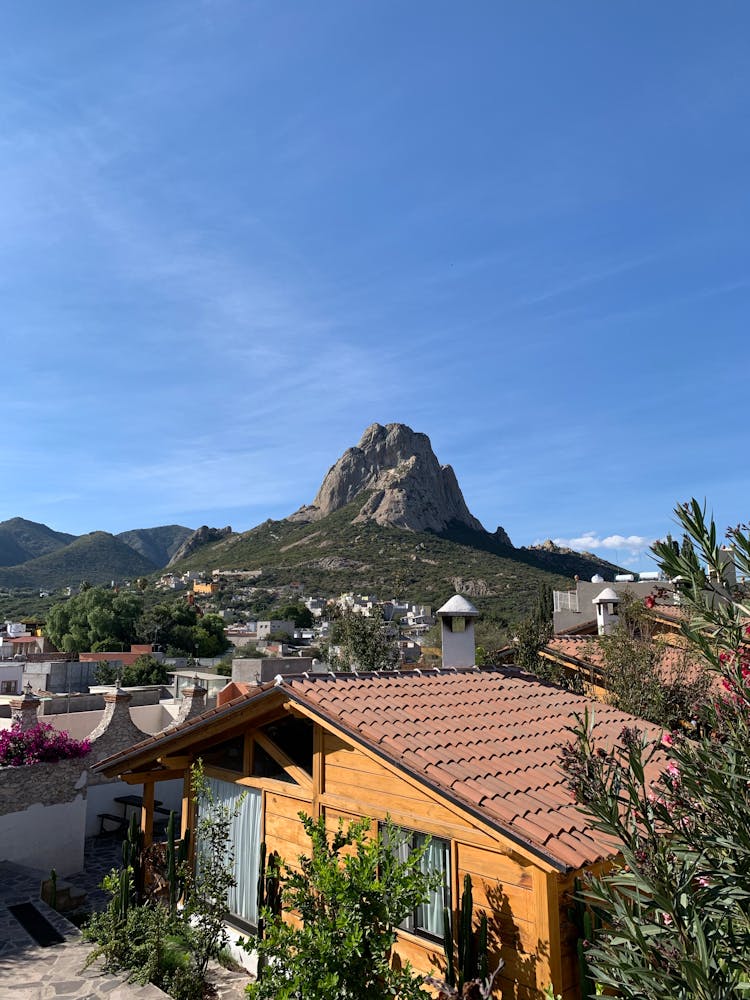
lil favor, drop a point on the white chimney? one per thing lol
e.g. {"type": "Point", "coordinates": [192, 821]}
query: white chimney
{"type": "Point", "coordinates": [606, 605]}
{"type": "Point", "coordinates": [457, 632]}
{"type": "Point", "coordinates": [728, 569]}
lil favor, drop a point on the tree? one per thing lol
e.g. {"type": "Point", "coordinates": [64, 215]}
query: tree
{"type": "Point", "coordinates": [178, 627]}
{"type": "Point", "coordinates": [146, 669]}
{"type": "Point", "coordinates": [94, 617]}
{"type": "Point", "coordinates": [297, 613]}
{"type": "Point", "coordinates": [362, 643]}
{"type": "Point", "coordinates": [675, 910]}
{"type": "Point", "coordinates": [351, 893]}
{"type": "Point", "coordinates": [209, 636]}
{"type": "Point", "coordinates": [534, 632]}
{"type": "Point", "coordinates": [646, 677]}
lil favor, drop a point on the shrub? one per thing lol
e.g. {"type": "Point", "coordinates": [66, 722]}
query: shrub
{"type": "Point", "coordinates": [675, 908]}
{"type": "Point", "coordinates": [351, 893]}
{"type": "Point", "coordinates": [39, 744]}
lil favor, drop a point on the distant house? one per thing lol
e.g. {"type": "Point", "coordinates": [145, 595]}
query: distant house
{"type": "Point", "coordinates": [208, 587]}
{"type": "Point", "coordinates": [266, 628]}
{"type": "Point", "coordinates": [466, 756]}
{"type": "Point", "coordinates": [121, 658]}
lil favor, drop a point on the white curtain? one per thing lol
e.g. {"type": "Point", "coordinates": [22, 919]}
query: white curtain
{"type": "Point", "coordinates": [428, 917]}
{"type": "Point", "coordinates": [435, 859]}
{"type": "Point", "coordinates": [245, 841]}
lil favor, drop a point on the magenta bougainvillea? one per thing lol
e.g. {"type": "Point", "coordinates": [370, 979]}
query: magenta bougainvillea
{"type": "Point", "coordinates": [41, 743]}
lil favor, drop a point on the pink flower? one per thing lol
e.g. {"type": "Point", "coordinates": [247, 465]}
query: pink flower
{"type": "Point", "coordinates": [673, 770]}
{"type": "Point", "coordinates": [667, 740]}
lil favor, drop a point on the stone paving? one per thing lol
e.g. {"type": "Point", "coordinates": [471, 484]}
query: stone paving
{"type": "Point", "coordinates": [30, 972]}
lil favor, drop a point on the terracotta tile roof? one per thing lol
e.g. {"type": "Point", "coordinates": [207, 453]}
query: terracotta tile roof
{"type": "Point", "coordinates": [669, 612]}
{"type": "Point", "coordinates": [674, 659]}
{"type": "Point", "coordinates": [489, 740]}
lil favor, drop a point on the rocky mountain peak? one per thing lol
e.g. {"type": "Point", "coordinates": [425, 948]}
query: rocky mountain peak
{"type": "Point", "coordinates": [406, 485]}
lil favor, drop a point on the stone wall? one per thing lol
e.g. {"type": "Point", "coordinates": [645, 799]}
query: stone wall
{"type": "Point", "coordinates": [49, 784]}
{"type": "Point", "coordinates": [43, 815]}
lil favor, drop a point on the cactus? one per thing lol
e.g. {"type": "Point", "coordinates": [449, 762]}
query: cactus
{"type": "Point", "coordinates": [483, 969]}
{"type": "Point", "coordinates": [269, 894]}
{"type": "Point", "coordinates": [450, 965]}
{"type": "Point", "coordinates": [466, 960]}
{"type": "Point", "coordinates": [132, 847]}
{"type": "Point", "coordinates": [177, 852]}
{"type": "Point", "coordinates": [122, 898]}
{"type": "Point", "coordinates": [53, 889]}
{"type": "Point", "coordinates": [472, 959]}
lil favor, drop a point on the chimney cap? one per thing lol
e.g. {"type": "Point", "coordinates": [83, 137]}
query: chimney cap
{"type": "Point", "coordinates": [606, 595]}
{"type": "Point", "coordinates": [458, 605]}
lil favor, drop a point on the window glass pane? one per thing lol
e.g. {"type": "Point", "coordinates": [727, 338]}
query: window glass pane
{"type": "Point", "coordinates": [428, 917]}
{"type": "Point", "coordinates": [228, 754]}
{"type": "Point", "coordinates": [264, 766]}
{"type": "Point", "coordinates": [295, 737]}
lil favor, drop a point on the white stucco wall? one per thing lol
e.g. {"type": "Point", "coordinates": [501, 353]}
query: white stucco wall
{"type": "Point", "coordinates": [45, 837]}
{"type": "Point", "coordinates": [459, 649]}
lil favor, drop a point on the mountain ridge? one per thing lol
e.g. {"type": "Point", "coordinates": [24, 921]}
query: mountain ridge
{"type": "Point", "coordinates": [371, 527]}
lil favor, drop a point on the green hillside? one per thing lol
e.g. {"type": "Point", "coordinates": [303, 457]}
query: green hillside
{"type": "Point", "coordinates": [97, 558]}
{"type": "Point", "coordinates": [333, 555]}
{"type": "Point", "coordinates": [22, 540]}
{"type": "Point", "coordinates": [158, 545]}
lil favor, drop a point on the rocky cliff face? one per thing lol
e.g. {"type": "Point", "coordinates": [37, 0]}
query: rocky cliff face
{"type": "Point", "coordinates": [199, 537]}
{"type": "Point", "coordinates": [407, 486]}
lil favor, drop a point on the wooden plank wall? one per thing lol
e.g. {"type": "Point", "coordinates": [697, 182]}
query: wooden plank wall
{"type": "Point", "coordinates": [512, 891]}
{"type": "Point", "coordinates": [283, 831]}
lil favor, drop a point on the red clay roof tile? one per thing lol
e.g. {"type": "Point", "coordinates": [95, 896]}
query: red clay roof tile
{"type": "Point", "coordinates": [489, 740]}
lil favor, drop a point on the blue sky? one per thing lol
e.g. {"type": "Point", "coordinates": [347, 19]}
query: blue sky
{"type": "Point", "coordinates": [234, 234]}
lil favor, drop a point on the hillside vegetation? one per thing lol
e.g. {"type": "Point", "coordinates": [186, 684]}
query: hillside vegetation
{"type": "Point", "coordinates": [22, 540]}
{"type": "Point", "coordinates": [98, 558]}
{"type": "Point", "coordinates": [333, 555]}
{"type": "Point", "coordinates": [158, 545]}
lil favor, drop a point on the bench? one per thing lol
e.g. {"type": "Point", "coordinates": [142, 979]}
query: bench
{"type": "Point", "coordinates": [121, 822]}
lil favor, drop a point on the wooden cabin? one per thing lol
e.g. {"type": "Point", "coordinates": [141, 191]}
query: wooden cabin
{"type": "Point", "coordinates": [467, 756]}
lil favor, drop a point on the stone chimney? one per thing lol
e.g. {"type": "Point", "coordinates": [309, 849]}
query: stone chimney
{"type": "Point", "coordinates": [116, 723]}
{"type": "Point", "coordinates": [24, 709]}
{"type": "Point", "coordinates": [193, 701]}
{"type": "Point", "coordinates": [457, 632]}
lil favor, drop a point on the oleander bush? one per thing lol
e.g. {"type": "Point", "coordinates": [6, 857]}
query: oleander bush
{"type": "Point", "coordinates": [674, 910]}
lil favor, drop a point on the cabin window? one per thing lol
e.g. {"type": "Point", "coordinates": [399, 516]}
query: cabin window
{"type": "Point", "coordinates": [295, 737]}
{"type": "Point", "coordinates": [427, 918]}
{"type": "Point", "coordinates": [229, 755]}
{"type": "Point", "coordinates": [264, 766]}
{"type": "Point", "coordinates": [243, 805]}
{"type": "Point", "coordinates": [7, 687]}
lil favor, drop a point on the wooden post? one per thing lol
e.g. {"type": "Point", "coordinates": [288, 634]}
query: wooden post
{"type": "Point", "coordinates": [317, 770]}
{"type": "Point", "coordinates": [549, 957]}
{"type": "Point", "coordinates": [147, 813]}
{"type": "Point", "coordinates": [187, 822]}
